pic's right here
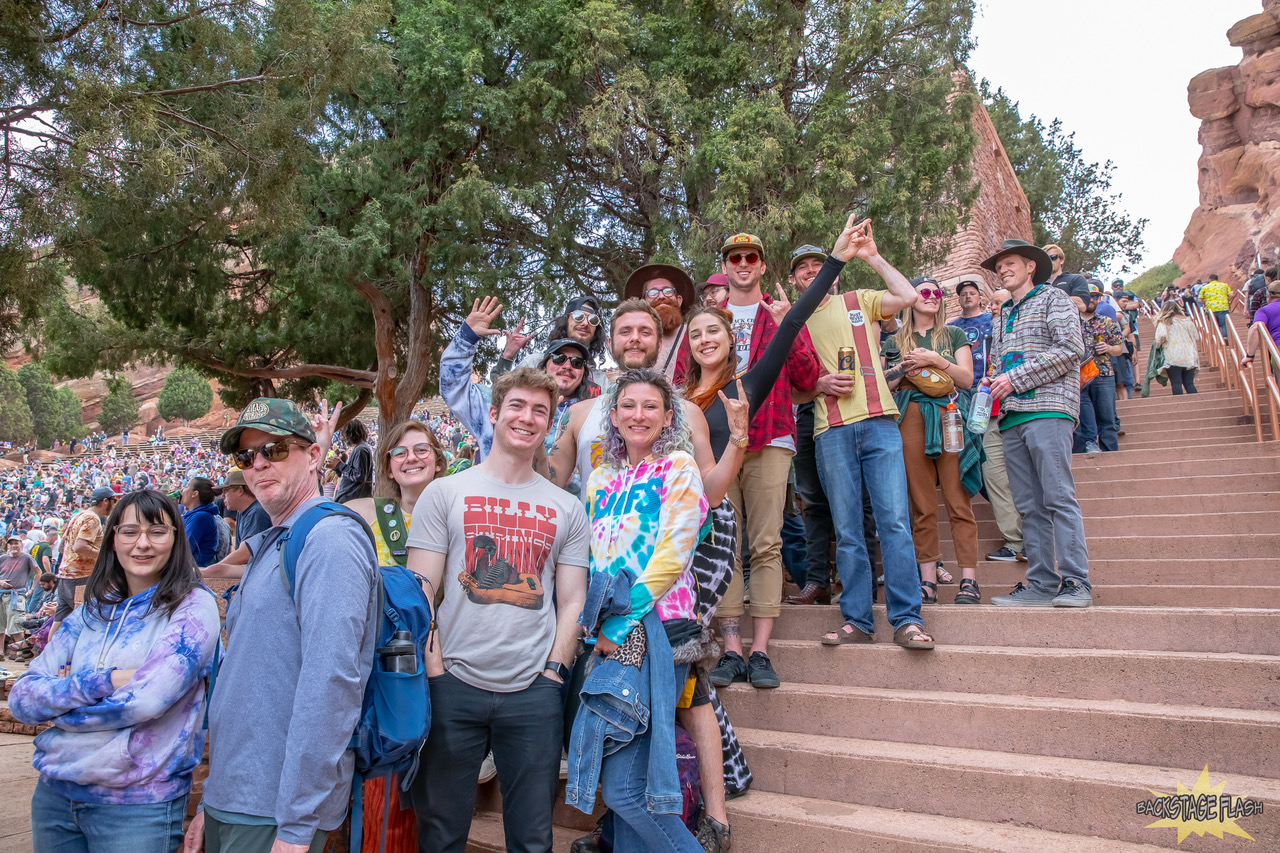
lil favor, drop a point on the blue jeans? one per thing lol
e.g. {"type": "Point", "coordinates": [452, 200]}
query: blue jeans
{"type": "Point", "coordinates": [870, 452]}
{"type": "Point", "coordinates": [623, 780]}
{"type": "Point", "coordinates": [1221, 317]}
{"type": "Point", "coordinates": [1098, 415]}
{"type": "Point", "coordinates": [59, 825]}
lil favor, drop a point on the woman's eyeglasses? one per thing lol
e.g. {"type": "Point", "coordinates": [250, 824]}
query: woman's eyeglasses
{"type": "Point", "coordinates": [929, 293]}
{"type": "Point", "coordinates": [422, 451]}
{"type": "Point", "coordinates": [575, 361]}
{"type": "Point", "coordinates": [155, 533]}
{"type": "Point", "coordinates": [579, 316]}
{"type": "Point", "coordinates": [272, 451]}
{"type": "Point", "coordinates": [748, 258]}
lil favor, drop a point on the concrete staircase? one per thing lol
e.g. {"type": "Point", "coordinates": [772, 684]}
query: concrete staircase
{"type": "Point", "coordinates": [1040, 730]}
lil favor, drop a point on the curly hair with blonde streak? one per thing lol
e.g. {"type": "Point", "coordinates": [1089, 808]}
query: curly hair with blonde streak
{"type": "Point", "coordinates": [675, 436]}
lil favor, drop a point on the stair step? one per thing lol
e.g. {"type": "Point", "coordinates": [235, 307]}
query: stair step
{"type": "Point", "coordinates": [1232, 523]}
{"type": "Point", "coordinates": [487, 837]}
{"type": "Point", "coordinates": [1064, 795]}
{"type": "Point", "coordinates": [1181, 504]}
{"type": "Point", "coordinates": [1115, 547]}
{"type": "Point", "coordinates": [1229, 740]}
{"type": "Point", "coordinates": [766, 823]}
{"type": "Point", "coordinates": [1240, 681]}
{"type": "Point", "coordinates": [1257, 484]}
{"type": "Point", "coordinates": [1150, 575]}
{"type": "Point", "coordinates": [1122, 467]}
{"type": "Point", "coordinates": [1157, 629]}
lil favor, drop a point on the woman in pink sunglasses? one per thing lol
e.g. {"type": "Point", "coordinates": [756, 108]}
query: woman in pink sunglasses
{"type": "Point", "coordinates": [930, 346]}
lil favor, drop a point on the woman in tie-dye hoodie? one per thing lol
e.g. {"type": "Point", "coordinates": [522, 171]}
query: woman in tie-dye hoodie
{"type": "Point", "coordinates": [123, 683]}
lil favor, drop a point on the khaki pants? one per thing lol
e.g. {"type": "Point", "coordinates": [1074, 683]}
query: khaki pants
{"type": "Point", "coordinates": [996, 480]}
{"type": "Point", "coordinates": [924, 475]}
{"type": "Point", "coordinates": [758, 494]}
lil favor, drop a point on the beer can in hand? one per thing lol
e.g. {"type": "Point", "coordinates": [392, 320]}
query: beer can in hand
{"type": "Point", "coordinates": [845, 360]}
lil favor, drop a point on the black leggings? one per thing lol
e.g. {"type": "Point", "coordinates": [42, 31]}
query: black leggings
{"type": "Point", "coordinates": [1182, 377]}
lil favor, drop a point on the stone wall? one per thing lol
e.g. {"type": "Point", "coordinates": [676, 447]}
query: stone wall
{"type": "Point", "coordinates": [1239, 111]}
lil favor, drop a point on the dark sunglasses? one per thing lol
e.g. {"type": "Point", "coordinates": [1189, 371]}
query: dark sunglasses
{"type": "Point", "coordinates": [579, 316]}
{"type": "Point", "coordinates": [748, 258]}
{"type": "Point", "coordinates": [928, 293]}
{"type": "Point", "coordinates": [423, 451]}
{"type": "Point", "coordinates": [1055, 257]}
{"type": "Point", "coordinates": [575, 361]}
{"type": "Point", "coordinates": [272, 451]}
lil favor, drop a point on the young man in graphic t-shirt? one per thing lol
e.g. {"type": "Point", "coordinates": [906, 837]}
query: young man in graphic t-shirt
{"type": "Point", "coordinates": [509, 550]}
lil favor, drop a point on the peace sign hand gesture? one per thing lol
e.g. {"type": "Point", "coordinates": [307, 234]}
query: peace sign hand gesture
{"type": "Point", "coordinates": [515, 341]}
{"type": "Point", "coordinates": [325, 424]}
{"type": "Point", "coordinates": [483, 313]}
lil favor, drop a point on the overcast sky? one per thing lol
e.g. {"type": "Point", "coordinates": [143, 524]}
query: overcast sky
{"type": "Point", "coordinates": [1116, 73]}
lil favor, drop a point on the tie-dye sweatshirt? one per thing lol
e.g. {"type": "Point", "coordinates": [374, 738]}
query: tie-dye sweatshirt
{"type": "Point", "coordinates": [647, 518]}
{"type": "Point", "coordinates": [136, 744]}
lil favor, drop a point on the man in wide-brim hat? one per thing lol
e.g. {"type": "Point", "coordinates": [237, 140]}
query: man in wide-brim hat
{"type": "Point", "coordinates": [1037, 348]}
{"type": "Point", "coordinates": [669, 290]}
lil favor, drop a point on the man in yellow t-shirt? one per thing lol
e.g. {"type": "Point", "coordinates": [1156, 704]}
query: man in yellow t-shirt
{"type": "Point", "coordinates": [1216, 297]}
{"type": "Point", "coordinates": [857, 442]}
{"type": "Point", "coordinates": [81, 542]}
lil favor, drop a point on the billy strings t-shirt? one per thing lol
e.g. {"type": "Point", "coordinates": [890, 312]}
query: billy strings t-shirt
{"type": "Point", "coordinates": [978, 331]}
{"type": "Point", "coordinates": [497, 622]}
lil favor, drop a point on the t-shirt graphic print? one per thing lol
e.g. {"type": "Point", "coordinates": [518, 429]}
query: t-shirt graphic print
{"type": "Point", "coordinates": [507, 547]}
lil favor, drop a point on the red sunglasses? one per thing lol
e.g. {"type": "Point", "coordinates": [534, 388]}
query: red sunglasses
{"type": "Point", "coordinates": [749, 258]}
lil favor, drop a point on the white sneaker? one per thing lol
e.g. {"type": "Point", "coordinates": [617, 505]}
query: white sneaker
{"type": "Point", "coordinates": [488, 769]}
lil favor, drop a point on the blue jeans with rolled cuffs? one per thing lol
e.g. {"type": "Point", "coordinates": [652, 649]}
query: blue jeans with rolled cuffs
{"type": "Point", "coordinates": [870, 452]}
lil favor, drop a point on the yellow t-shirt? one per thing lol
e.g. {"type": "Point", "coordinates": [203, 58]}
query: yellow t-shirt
{"type": "Point", "coordinates": [380, 544]}
{"type": "Point", "coordinates": [831, 327]}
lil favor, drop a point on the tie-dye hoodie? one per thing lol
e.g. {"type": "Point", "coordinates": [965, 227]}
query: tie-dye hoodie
{"type": "Point", "coordinates": [648, 518]}
{"type": "Point", "coordinates": [138, 744]}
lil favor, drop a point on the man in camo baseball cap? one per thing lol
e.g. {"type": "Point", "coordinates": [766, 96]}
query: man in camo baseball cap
{"type": "Point", "coordinates": [271, 415]}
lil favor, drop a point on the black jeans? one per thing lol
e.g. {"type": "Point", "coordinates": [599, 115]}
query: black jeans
{"type": "Point", "coordinates": [1182, 378]}
{"type": "Point", "coordinates": [521, 730]}
{"type": "Point", "coordinates": [818, 530]}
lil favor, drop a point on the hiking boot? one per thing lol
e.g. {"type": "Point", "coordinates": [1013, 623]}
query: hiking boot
{"type": "Point", "coordinates": [1024, 596]}
{"type": "Point", "coordinates": [586, 844]}
{"type": "Point", "coordinates": [730, 669]}
{"type": "Point", "coordinates": [713, 835]}
{"type": "Point", "coordinates": [1092, 447]}
{"type": "Point", "coordinates": [1072, 595]}
{"type": "Point", "coordinates": [1004, 555]}
{"type": "Point", "coordinates": [761, 672]}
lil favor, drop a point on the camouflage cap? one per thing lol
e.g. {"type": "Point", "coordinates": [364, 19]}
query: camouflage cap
{"type": "Point", "coordinates": [271, 415]}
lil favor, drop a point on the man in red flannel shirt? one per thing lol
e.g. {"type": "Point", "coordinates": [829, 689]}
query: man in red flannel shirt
{"type": "Point", "coordinates": [760, 491]}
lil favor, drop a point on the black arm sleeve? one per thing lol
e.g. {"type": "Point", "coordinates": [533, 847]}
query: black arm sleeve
{"type": "Point", "coordinates": [503, 365]}
{"type": "Point", "coordinates": [757, 381]}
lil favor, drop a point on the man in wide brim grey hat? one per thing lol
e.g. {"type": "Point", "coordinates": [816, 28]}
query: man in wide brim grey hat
{"type": "Point", "coordinates": [680, 280]}
{"type": "Point", "coordinates": [1044, 266]}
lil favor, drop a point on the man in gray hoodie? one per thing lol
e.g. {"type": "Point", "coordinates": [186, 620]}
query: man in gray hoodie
{"type": "Point", "coordinates": [289, 690]}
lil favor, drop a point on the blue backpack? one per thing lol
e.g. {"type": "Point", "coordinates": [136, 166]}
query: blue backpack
{"type": "Point", "coordinates": [396, 713]}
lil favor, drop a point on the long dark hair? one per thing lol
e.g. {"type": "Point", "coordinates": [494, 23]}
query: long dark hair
{"type": "Point", "coordinates": [595, 347]}
{"type": "Point", "coordinates": [107, 585]}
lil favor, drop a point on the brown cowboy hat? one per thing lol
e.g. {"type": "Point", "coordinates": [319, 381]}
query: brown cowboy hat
{"type": "Point", "coordinates": [1044, 266]}
{"type": "Point", "coordinates": [679, 279]}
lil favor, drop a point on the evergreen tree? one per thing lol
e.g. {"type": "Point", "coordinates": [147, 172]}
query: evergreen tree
{"type": "Point", "coordinates": [186, 395]}
{"type": "Point", "coordinates": [1070, 199]}
{"type": "Point", "coordinates": [70, 415]}
{"type": "Point", "coordinates": [43, 402]}
{"type": "Point", "coordinates": [15, 414]}
{"type": "Point", "coordinates": [119, 408]}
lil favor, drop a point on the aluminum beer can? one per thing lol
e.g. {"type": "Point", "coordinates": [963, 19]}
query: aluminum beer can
{"type": "Point", "coordinates": [845, 360]}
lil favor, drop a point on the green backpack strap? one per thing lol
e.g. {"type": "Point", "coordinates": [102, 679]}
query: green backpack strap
{"type": "Point", "coordinates": [391, 526]}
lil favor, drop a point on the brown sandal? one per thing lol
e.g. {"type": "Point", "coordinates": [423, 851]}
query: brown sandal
{"type": "Point", "coordinates": [842, 637]}
{"type": "Point", "coordinates": [911, 636]}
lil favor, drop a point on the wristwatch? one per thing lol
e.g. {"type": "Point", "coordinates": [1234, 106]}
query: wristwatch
{"type": "Point", "coordinates": [559, 669]}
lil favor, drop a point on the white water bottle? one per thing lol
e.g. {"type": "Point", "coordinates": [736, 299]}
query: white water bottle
{"type": "Point", "coordinates": [980, 413]}
{"type": "Point", "coordinates": [952, 430]}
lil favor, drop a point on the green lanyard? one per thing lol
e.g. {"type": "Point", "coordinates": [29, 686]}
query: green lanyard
{"type": "Point", "coordinates": [1013, 313]}
{"type": "Point", "coordinates": [391, 525]}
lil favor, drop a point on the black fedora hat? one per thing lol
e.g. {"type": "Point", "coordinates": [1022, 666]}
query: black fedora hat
{"type": "Point", "coordinates": [1044, 266]}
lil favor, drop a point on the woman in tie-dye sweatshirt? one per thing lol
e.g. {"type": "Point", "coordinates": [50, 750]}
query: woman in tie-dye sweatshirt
{"type": "Point", "coordinates": [123, 683]}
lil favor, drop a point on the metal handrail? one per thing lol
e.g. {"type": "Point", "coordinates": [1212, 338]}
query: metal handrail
{"type": "Point", "coordinates": [1270, 365]}
{"type": "Point", "coordinates": [1228, 356]}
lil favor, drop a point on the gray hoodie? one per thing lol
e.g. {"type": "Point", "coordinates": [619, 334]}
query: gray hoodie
{"type": "Point", "coordinates": [288, 694]}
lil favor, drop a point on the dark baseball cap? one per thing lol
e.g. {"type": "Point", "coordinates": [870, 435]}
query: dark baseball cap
{"type": "Point", "coordinates": [271, 415]}
{"type": "Point", "coordinates": [579, 302]}
{"type": "Point", "coordinates": [806, 251]}
{"type": "Point", "coordinates": [968, 282]}
{"type": "Point", "coordinates": [564, 343]}
{"type": "Point", "coordinates": [101, 493]}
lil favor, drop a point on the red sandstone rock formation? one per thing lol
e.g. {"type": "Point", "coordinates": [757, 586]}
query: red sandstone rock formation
{"type": "Point", "coordinates": [1239, 109]}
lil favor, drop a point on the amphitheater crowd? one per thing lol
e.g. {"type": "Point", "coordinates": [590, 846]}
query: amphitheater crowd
{"type": "Point", "coordinates": [605, 535]}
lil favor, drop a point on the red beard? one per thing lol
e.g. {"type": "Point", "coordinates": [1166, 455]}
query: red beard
{"type": "Point", "coordinates": [670, 316]}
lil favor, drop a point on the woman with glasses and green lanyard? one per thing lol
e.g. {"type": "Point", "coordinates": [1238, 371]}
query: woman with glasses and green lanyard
{"type": "Point", "coordinates": [123, 683]}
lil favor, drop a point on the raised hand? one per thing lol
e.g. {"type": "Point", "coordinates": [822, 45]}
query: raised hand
{"type": "Point", "coordinates": [780, 305]}
{"type": "Point", "coordinates": [843, 249]}
{"type": "Point", "coordinates": [483, 313]}
{"type": "Point", "coordinates": [515, 341]}
{"type": "Point", "coordinates": [863, 242]}
{"type": "Point", "coordinates": [736, 412]}
{"type": "Point", "coordinates": [325, 424]}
